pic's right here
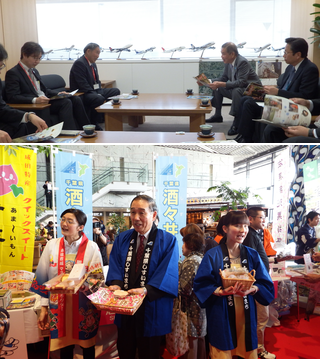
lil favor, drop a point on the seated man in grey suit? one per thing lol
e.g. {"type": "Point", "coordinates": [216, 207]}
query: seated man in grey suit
{"type": "Point", "coordinates": [237, 74]}
{"type": "Point", "coordinates": [15, 123]}
{"type": "Point", "coordinates": [84, 77]}
{"type": "Point", "coordinates": [295, 134]}
{"type": "Point", "coordinates": [300, 79]}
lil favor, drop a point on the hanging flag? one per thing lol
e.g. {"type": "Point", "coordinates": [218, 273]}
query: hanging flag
{"type": "Point", "coordinates": [171, 196]}
{"type": "Point", "coordinates": [18, 175]}
{"type": "Point", "coordinates": [74, 185]}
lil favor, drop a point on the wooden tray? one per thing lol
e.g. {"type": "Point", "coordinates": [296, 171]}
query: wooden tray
{"type": "Point", "coordinates": [247, 283]}
{"type": "Point", "coordinates": [51, 285]}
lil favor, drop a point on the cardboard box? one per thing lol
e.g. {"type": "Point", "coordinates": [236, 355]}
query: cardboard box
{"type": "Point", "coordinates": [5, 298]}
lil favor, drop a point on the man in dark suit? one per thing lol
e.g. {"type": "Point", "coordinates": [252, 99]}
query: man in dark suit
{"type": "Point", "coordinates": [15, 123]}
{"type": "Point", "coordinates": [237, 74]}
{"type": "Point", "coordinates": [24, 85]}
{"type": "Point", "coordinates": [253, 240]}
{"type": "Point", "coordinates": [300, 79]}
{"type": "Point", "coordinates": [84, 76]}
{"type": "Point", "coordinates": [296, 134]}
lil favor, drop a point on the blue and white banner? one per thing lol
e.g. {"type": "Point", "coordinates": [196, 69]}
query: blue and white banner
{"type": "Point", "coordinates": [171, 194]}
{"type": "Point", "coordinates": [74, 185]}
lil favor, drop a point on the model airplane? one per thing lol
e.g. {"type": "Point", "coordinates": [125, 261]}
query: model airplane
{"type": "Point", "coordinates": [47, 53]}
{"type": "Point", "coordinates": [120, 49]}
{"type": "Point", "coordinates": [68, 49]}
{"type": "Point", "coordinates": [241, 45]}
{"type": "Point", "coordinates": [278, 50]}
{"type": "Point", "coordinates": [261, 48]}
{"type": "Point", "coordinates": [180, 48]}
{"type": "Point", "coordinates": [209, 45]}
{"type": "Point", "coordinates": [143, 52]}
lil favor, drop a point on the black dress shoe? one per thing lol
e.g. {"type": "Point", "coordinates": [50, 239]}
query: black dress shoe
{"type": "Point", "coordinates": [242, 140]}
{"type": "Point", "coordinates": [214, 119]}
{"type": "Point", "coordinates": [239, 139]}
{"type": "Point", "coordinates": [232, 131]}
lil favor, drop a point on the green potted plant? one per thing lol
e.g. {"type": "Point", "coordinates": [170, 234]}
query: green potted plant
{"type": "Point", "coordinates": [117, 222]}
{"type": "Point", "coordinates": [235, 198]}
{"type": "Point", "coordinates": [316, 28]}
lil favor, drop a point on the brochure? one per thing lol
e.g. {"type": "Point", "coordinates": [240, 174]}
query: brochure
{"type": "Point", "coordinates": [282, 112]}
{"type": "Point", "coordinates": [124, 96]}
{"type": "Point", "coordinates": [255, 90]}
{"type": "Point", "coordinates": [202, 78]}
{"type": "Point", "coordinates": [63, 95]}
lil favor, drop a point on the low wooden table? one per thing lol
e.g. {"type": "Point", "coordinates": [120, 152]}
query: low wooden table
{"type": "Point", "coordinates": [149, 137]}
{"type": "Point", "coordinates": [153, 105]}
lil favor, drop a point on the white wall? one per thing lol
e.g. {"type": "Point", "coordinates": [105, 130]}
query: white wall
{"type": "Point", "coordinates": [150, 76]}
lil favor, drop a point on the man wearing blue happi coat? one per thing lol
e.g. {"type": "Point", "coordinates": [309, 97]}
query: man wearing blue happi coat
{"type": "Point", "coordinates": [144, 260]}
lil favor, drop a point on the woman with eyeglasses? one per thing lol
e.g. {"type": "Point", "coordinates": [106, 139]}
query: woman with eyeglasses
{"type": "Point", "coordinates": [72, 318]}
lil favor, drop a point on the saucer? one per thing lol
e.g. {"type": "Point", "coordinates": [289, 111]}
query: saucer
{"type": "Point", "coordinates": [135, 94]}
{"type": "Point", "coordinates": [189, 93]}
{"type": "Point", "coordinates": [83, 134]}
{"type": "Point", "coordinates": [200, 134]}
{"type": "Point", "coordinates": [207, 105]}
{"type": "Point", "coordinates": [116, 104]}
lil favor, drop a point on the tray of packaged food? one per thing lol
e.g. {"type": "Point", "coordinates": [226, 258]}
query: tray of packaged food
{"type": "Point", "coordinates": [231, 276]}
{"type": "Point", "coordinates": [119, 301]}
{"type": "Point", "coordinates": [61, 284]}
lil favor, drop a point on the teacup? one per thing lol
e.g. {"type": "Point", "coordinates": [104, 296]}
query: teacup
{"type": "Point", "coordinates": [206, 129]}
{"type": "Point", "coordinates": [135, 92]}
{"type": "Point", "coordinates": [189, 91]}
{"type": "Point", "coordinates": [89, 129]}
{"type": "Point", "coordinates": [204, 102]}
{"type": "Point", "coordinates": [116, 101]}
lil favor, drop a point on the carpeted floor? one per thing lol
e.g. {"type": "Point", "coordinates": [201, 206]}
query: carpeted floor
{"type": "Point", "coordinates": [292, 339]}
{"type": "Point", "coordinates": [174, 124]}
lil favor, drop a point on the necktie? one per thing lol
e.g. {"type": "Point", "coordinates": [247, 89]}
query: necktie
{"type": "Point", "coordinates": [93, 73]}
{"type": "Point", "coordinates": [288, 82]}
{"type": "Point", "coordinates": [140, 252]}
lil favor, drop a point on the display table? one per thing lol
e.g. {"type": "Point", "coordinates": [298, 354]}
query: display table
{"type": "Point", "coordinates": [300, 280]}
{"type": "Point", "coordinates": [23, 330]}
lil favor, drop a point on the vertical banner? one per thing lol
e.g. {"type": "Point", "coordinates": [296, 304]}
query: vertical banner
{"type": "Point", "coordinates": [18, 177]}
{"type": "Point", "coordinates": [74, 186]}
{"type": "Point", "coordinates": [171, 194]}
{"type": "Point", "coordinates": [311, 178]}
{"type": "Point", "coordinates": [281, 195]}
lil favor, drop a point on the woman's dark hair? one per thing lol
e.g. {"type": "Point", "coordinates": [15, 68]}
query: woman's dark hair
{"type": "Point", "coordinates": [194, 242]}
{"type": "Point", "coordinates": [80, 216]}
{"type": "Point", "coordinates": [220, 225]}
{"type": "Point", "coordinates": [191, 228]}
{"type": "Point", "coordinates": [235, 217]}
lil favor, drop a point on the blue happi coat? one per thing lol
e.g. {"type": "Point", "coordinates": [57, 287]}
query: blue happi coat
{"type": "Point", "coordinates": [208, 280]}
{"type": "Point", "coordinates": [162, 275]}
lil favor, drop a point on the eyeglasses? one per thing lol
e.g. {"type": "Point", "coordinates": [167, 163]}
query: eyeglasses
{"type": "Point", "coordinates": [69, 221]}
{"type": "Point", "coordinates": [37, 58]}
{"type": "Point", "coordinates": [286, 53]}
{"type": "Point", "coordinates": [260, 217]}
{"type": "Point", "coordinates": [2, 67]}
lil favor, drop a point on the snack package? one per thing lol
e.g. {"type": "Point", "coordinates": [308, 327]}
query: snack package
{"type": "Point", "coordinates": [105, 299]}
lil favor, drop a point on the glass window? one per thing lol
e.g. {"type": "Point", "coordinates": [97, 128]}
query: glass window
{"type": "Point", "coordinates": [162, 24]}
